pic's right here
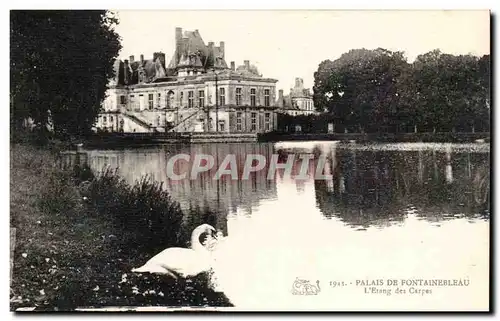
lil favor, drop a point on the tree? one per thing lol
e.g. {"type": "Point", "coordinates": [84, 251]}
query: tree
{"type": "Point", "coordinates": [451, 91]}
{"type": "Point", "coordinates": [361, 88]}
{"type": "Point", "coordinates": [485, 92]}
{"type": "Point", "coordinates": [60, 65]}
{"type": "Point", "coordinates": [377, 90]}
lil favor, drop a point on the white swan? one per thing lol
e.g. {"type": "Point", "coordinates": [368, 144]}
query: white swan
{"type": "Point", "coordinates": [177, 261]}
{"type": "Point", "coordinates": [211, 243]}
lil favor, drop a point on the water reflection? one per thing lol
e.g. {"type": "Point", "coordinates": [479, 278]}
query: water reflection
{"type": "Point", "coordinates": [203, 194]}
{"type": "Point", "coordinates": [403, 200]}
{"type": "Point", "coordinates": [377, 187]}
{"type": "Point", "coordinates": [367, 187]}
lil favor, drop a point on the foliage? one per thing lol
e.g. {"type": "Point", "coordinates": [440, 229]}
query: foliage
{"type": "Point", "coordinates": [379, 91]}
{"type": "Point", "coordinates": [60, 65]}
{"type": "Point", "coordinates": [79, 234]}
{"type": "Point", "coordinates": [144, 209]}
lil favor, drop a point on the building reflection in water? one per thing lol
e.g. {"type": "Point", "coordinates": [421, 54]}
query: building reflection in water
{"type": "Point", "coordinates": [204, 194]}
{"type": "Point", "coordinates": [286, 223]}
{"type": "Point", "coordinates": [367, 187]}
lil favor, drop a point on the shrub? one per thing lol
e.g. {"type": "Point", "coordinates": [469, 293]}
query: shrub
{"type": "Point", "coordinates": [83, 233]}
{"type": "Point", "coordinates": [60, 194]}
{"type": "Point", "coordinates": [144, 211]}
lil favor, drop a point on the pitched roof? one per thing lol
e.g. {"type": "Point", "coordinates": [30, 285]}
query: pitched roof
{"type": "Point", "coordinates": [190, 44]}
{"type": "Point", "coordinates": [252, 71]}
{"type": "Point", "coordinates": [287, 103]}
{"type": "Point", "coordinates": [190, 52]}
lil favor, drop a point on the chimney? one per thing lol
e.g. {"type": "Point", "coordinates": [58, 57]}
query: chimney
{"type": "Point", "coordinates": [280, 98]}
{"type": "Point", "coordinates": [222, 48]}
{"type": "Point", "coordinates": [142, 59]}
{"type": "Point", "coordinates": [131, 58]}
{"type": "Point", "coordinates": [247, 64]}
{"type": "Point", "coordinates": [178, 34]}
{"type": "Point", "coordinates": [210, 44]}
{"type": "Point", "coordinates": [160, 55]}
{"type": "Point", "coordinates": [233, 66]}
{"type": "Point", "coordinates": [178, 41]}
{"type": "Point", "coordinates": [298, 82]}
{"type": "Point", "coordinates": [125, 72]}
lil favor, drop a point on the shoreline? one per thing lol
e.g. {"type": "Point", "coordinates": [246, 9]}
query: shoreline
{"type": "Point", "coordinates": [124, 140]}
{"type": "Point", "coordinates": [439, 137]}
{"type": "Point", "coordinates": [77, 238]}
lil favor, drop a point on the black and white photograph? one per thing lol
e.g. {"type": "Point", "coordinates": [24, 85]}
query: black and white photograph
{"type": "Point", "coordinates": [250, 160]}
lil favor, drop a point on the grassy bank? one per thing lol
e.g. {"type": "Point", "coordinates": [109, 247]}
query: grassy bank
{"type": "Point", "coordinates": [78, 235]}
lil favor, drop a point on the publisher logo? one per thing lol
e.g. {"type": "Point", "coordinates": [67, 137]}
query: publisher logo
{"type": "Point", "coordinates": [305, 287]}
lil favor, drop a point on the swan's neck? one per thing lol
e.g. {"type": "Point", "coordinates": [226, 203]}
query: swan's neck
{"type": "Point", "coordinates": [195, 241]}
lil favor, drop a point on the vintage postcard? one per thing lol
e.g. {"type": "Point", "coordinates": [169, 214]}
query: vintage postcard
{"type": "Point", "coordinates": [293, 160]}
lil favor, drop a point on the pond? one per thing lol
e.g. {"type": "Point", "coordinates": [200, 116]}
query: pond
{"type": "Point", "coordinates": [388, 218]}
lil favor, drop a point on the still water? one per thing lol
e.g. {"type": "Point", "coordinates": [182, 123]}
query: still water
{"type": "Point", "coordinates": [389, 212]}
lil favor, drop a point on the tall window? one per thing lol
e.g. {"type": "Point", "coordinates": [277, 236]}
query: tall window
{"type": "Point", "coordinates": [133, 104]}
{"type": "Point", "coordinates": [201, 98]}
{"type": "Point", "coordinates": [190, 99]}
{"type": "Point", "coordinates": [170, 99]}
{"type": "Point", "coordinates": [158, 99]}
{"type": "Point", "coordinates": [238, 96]}
{"type": "Point", "coordinates": [239, 126]}
{"type": "Point", "coordinates": [253, 123]}
{"type": "Point", "coordinates": [267, 121]}
{"type": "Point", "coordinates": [222, 96]}
{"type": "Point", "coordinates": [252, 97]}
{"type": "Point", "coordinates": [266, 98]}
{"type": "Point", "coordinates": [150, 101]}
{"type": "Point", "coordinates": [122, 100]}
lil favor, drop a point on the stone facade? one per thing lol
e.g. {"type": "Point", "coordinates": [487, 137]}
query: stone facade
{"type": "Point", "coordinates": [149, 96]}
{"type": "Point", "coordinates": [298, 102]}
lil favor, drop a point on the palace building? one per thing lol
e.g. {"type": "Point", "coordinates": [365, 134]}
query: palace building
{"type": "Point", "coordinates": [195, 92]}
{"type": "Point", "coordinates": [298, 102]}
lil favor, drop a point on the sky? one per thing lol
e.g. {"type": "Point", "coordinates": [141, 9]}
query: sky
{"type": "Point", "coordinates": [289, 44]}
